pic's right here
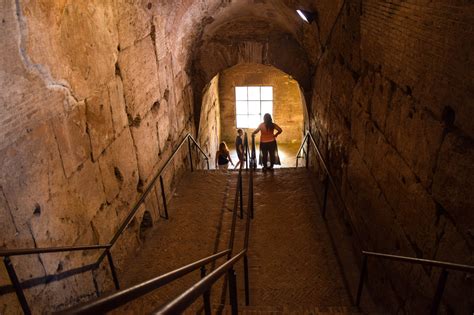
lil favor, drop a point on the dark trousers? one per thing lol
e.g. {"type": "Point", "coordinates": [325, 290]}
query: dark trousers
{"type": "Point", "coordinates": [268, 148]}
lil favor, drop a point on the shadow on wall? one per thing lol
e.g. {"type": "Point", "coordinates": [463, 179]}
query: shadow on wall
{"type": "Point", "coordinates": [218, 119]}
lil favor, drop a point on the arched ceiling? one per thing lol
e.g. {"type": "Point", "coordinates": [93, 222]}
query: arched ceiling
{"type": "Point", "coordinates": [243, 31]}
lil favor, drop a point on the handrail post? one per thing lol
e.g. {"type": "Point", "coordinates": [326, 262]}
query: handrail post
{"type": "Point", "coordinates": [253, 163]}
{"type": "Point", "coordinates": [112, 269]}
{"type": "Point", "coordinates": [190, 154]}
{"type": "Point", "coordinates": [307, 153]}
{"type": "Point", "coordinates": [246, 278]}
{"type": "Point", "coordinates": [325, 198]}
{"type": "Point", "coordinates": [163, 196]}
{"type": "Point", "coordinates": [439, 292]}
{"type": "Point", "coordinates": [233, 291]}
{"type": "Point", "coordinates": [207, 295]}
{"type": "Point", "coordinates": [363, 272]}
{"type": "Point", "coordinates": [246, 149]}
{"type": "Point", "coordinates": [241, 196]}
{"type": "Point", "coordinates": [16, 285]}
{"type": "Point", "coordinates": [251, 194]}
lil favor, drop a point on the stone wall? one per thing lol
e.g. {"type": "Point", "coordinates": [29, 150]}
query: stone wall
{"type": "Point", "coordinates": [287, 103]}
{"type": "Point", "coordinates": [209, 133]}
{"type": "Point", "coordinates": [92, 103]}
{"type": "Point", "coordinates": [96, 94]}
{"type": "Point", "coordinates": [391, 108]}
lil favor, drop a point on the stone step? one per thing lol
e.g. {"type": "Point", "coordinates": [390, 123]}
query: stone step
{"type": "Point", "coordinates": [283, 310]}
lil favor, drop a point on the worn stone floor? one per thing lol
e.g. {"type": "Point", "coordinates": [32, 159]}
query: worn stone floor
{"type": "Point", "coordinates": [292, 264]}
{"type": "Point", "coordinates": [291, 259]}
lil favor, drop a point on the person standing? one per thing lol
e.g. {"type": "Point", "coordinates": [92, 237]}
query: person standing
{"type": "Point", "coordinates": [223, 157]}
{"type": "Point", "coordinates": [268, 144]}
{"type": "Point", "coordinates": [239, 147]}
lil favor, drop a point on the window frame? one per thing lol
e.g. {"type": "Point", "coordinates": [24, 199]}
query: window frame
{"type": "Point", "coordinates": [264, 100]}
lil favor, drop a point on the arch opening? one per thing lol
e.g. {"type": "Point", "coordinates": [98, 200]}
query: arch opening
{"type": "Point", "coordinates": [222, 111]}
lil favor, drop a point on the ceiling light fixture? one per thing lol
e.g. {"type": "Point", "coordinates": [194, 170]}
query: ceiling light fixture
{"type": "Point", "coordinates": [307, 16]}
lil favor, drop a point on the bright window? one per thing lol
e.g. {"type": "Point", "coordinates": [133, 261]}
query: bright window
{"type": "Point", "coordinates": [251, 103]}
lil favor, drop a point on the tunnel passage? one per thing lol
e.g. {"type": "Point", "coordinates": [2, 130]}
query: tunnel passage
{"type": "Point", "coordinates": [222, 108]}
{"type": "Point", "coordinates": [91, 87]}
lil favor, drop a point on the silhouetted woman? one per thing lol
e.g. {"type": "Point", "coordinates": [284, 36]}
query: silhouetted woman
{"type": "Point", "coordinates": [268, 145]}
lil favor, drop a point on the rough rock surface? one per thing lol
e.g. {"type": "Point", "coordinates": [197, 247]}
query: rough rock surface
{"type": "Point", "coordinates": [209, 133]}
{"type": "Point", "coordinates": [82, 92]}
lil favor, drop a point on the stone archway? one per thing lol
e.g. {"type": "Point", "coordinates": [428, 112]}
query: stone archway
{"type": "Point", "coordinates": [218, 120]}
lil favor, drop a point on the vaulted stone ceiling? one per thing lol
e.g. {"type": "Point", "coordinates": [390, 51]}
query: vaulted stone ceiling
{"type": "Point", "coordinates": [266, 32]}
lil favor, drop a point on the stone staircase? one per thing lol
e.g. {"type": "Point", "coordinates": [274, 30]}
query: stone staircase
{"type": "Point", "coordinates": [280, 310]}
{"type": "Point", "coordinates": [292, 266]}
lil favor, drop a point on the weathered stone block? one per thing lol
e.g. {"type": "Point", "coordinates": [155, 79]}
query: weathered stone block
{"type": "Point", "coordinates": [72, 138]}
{"type": "Point", "coordinates": [163, 124]}
{"type": "Point", "coordinates": [453, 247]}
{"type": "Point", "coordinates": [99, 122]}
{"type": "Point", "coordinates": [54, 30]}
{"type": "Point", "coordinates": [140, 77]}
{"type": "Point", "coordinates": [118, 167]}
{"type": "Point", "coordinates": [416, 135]}
{"type": "Point", "coordinates": [86, 185]}
{"type": "Point", "coordinates": [28, 180]}
{"type": "Point", "coordinates": [381, 99]}
{"type": "Point", "coordinates": [453, 184]}
{"type": "Point", "coordinates": [145, 137]}
{"type": "Point", "coordinates": [105, 224]}
{"type": "Point", "coordinates": [134, 21]}
{"type": "Point", "coordinates": [117, 106]}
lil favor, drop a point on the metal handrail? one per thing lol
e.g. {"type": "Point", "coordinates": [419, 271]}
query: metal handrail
{"type": "Point", "coordinates": [179, 304]}
{"type": "Point", "coordinates": [29, 251]}
{"type": "Point", "coordinates": [119, 298]}
{"type": "Point", "coordinates": [425, 262]}
{"type": "Point", "coordinates": [412, 260]}
{"type": "Point", "coordinates": [329, 177]}
{"type": "Point", "coordinates": [203, 287]}
{"type": "Point", "coordinates": [122, 297]}
{"type": "Point", "coordinates": [159, 174]}
{"type": "Point", "coordinates": [434, 263]}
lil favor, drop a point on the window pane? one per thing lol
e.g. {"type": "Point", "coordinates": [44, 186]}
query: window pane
{"type": "Point", "coordinates": [267, 93]}
{"type": "Point", "coordinates": [267, 107]}
{"type": "Point", "coordinates": [254, 93]}
{"type": "Point", "coordinates": [241, 93]}
{"type": "Point", "coordinates": [241, 108]}
{"type": "Point", "coordinates": [242, 121]}
{"type": "Point", "coordinates": [254, 107]}
{"type": "Point", "coordinates": [254, 121]}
